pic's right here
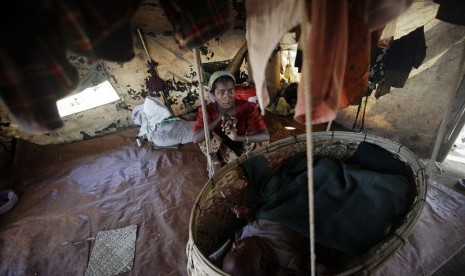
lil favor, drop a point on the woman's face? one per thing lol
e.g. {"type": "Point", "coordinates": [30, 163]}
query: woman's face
{"type": "Point", "coordinates": [224, 94]}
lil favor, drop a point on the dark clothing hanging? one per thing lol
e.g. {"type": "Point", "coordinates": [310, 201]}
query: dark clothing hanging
{"type": "Point", "coordinates": [377, 65]}
{"type": "Point", "coordinates": [451, 11]}
{"type": "Point", "coordinates": [382, 89]}
{"type": "Point", "coordinates": [377, 77]}
{"type": "Point", "coordinates": [34, 69]}
{"type": "Point", "coordinates": [376, 81]}
{"type": "Point", "coordinates": [406, 52]}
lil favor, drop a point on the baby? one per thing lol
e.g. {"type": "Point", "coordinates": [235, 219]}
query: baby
{"type": "Point", "coordinates": [275, 240]}
{"type": "Point", "coordinates": [264, 247]}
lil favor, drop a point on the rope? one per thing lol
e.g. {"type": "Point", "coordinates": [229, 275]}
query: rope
{"type": "Point", "coordinates": [445, 118]}
{"type": "Point", "coordinates": [204, 111]}
{"type": "Point", "coordinates": [366, 95]}
{"type": "Point", "coordinates": [308, 131]}
{"type": "Point", "coordinates": [328, 127]}
{"type": "Point", "coordinates": [356, 115]}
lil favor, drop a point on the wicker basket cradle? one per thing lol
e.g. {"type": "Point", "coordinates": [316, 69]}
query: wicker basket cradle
{"type": "Point", "coordinates": [211, 216]}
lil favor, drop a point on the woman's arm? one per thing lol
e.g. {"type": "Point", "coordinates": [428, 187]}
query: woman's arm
{"type": "Point", "coordinates": [261, 136]}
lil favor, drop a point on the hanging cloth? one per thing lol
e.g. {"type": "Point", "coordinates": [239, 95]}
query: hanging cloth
{"type": "Point", "coordinates": [34, 69]}
{"type": "Point", "coordinates": [339, 53]}
{"type": "Point", "coordinates": [196, 22]}
{"type": "Point", "coordinates": [406, 52]}
{"type": "Point", "coordinates": [267, 22]}
{"type": "Point", "coordinates": [327, 49]}
{"type": "Point", "coordinates": [451, 11]}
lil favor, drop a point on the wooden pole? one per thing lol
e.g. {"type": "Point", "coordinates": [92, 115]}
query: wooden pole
{"type": "Point", "coordinates": [201, 80]}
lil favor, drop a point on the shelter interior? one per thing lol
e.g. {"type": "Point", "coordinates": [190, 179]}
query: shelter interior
{"type": "Point", "coordinates": [90, 175]}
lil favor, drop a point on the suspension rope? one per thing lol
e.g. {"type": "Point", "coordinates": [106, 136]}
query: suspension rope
{"type": "Point", "coordinates": [308, 129]}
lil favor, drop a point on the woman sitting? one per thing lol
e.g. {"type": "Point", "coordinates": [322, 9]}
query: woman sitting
{"type": "Point", "coordinates": [236, 125]}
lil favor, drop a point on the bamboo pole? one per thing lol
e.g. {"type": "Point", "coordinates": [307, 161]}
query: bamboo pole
{"type": "Point", "coordinates": [201, 80]}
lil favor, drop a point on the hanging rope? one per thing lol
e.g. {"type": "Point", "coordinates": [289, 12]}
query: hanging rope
{"type": "Point", "coordinates": [445, 118]}
{"type": "Point", "coordinates": [308, 131]}
{"type": "Point", "coordinates": [204, 111]}
{"type": "Point", "coordinates": [328, 127]}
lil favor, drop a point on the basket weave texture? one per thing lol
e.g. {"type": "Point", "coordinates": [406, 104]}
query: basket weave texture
{"type": "Point", "coordinates": [211, 218]}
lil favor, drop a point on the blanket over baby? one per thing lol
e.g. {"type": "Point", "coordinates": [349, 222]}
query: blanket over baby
{"type": "Point", "coordinates": [354, 207]}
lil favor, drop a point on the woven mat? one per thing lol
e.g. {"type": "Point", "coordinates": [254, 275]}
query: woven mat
{"type": "Point", "coordinates": [113, 251]}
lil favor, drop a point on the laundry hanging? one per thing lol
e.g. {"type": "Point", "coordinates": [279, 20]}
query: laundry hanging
{"type": "Point", "coordinates": [195, 22]}
{"type": "Point", "coordinates": [34, 69]}
{"type": "Point", "coordinates": [338, 39]}
{"type": "Point", "coordinates": [451, 11]}
{"type": "Point", "coordinates": [267, 22]}
{"type": "Point", "coordinates": [406, 52]}
{"type": "Point", "coordinates": [377, 75]}
{"type": "Point", "coordinates": [339, 53]}
{"type": "Point", "coordinates": [390, 67]}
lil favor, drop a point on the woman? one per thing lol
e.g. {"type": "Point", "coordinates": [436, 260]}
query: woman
{"type": "Point", "coordinates": [236, 125]}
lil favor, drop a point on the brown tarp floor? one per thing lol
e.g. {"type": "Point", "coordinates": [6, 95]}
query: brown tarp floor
{"type": "Point", "coordinates": [71, 192]}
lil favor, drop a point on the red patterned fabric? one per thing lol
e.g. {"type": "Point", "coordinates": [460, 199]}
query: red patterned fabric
{"type": "Point", "coordinates": [196, 22]}
{"type": "Point", "coordinates": [34, 69]}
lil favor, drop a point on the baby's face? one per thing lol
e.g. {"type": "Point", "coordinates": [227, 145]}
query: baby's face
{"type": "Point", "coordinates": [247, 257]}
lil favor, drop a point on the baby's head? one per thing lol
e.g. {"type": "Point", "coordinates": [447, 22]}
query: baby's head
{"type": "Point", "coordinates": [248, 256]}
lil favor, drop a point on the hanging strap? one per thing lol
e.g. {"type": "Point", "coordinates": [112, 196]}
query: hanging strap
{"type": "Point", "coordinates": [201, 80]}
{"type": "Point", "coordinates": [362, 126]}
{"type": "Point", "coordinates": [356, 115]}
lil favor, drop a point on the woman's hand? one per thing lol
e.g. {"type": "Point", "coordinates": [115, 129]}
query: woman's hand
{"type": "Point", "coordinates": [229, 127]}
{"type": "Point", "coordinates": [228, 121]}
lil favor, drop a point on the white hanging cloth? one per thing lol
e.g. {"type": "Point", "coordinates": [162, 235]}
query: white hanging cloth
{"type": "Point", "coordinates": [267, 22]}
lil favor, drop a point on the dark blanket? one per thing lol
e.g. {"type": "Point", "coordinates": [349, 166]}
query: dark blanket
{"type": "Point", "coordinates": [280, 196]}
{"type": "Point", "coordinates": [354, 207]}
